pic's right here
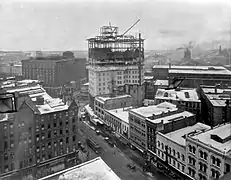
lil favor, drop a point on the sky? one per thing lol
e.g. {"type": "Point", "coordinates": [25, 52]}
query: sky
{"type": "Point", "coordinates": [65, 25]}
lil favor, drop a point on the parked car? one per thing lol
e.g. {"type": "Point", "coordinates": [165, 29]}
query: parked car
{"type": "Point", "coordinates": [131, 166]}
{"type": "Point", "coordinates": [109, 141]}
{"type": "Point", "coordinates": [97, 132]}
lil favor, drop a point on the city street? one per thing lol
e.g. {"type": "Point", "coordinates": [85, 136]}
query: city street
{"type": "Point", "coordinates": [113, 156]}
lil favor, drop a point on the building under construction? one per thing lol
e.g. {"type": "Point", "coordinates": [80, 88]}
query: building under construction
{"type": "Point", "coordinates": [115, 64]}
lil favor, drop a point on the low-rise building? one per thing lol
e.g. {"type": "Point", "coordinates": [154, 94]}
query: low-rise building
{"type": "Point", "coordinates": [118, 120]}
{"type": "Point", "coordinates": [171, 147]}
{"type": "Point", "coordinates": [145, 121]}
{"type": "Point", "coordinates": [152, 85]}
{"type": "Point", "coordinates": [208, 153]}
{"type": "Point", "coordinates": [186, 99]}
{"type": "Point", "coordinates": [93, 169]}
{"type": "Point", "coordinates": [215, 102]}
{"type": "Point", "coordinates": [108, 103]}
{"type": "Point", "coordinates": [193, 75]}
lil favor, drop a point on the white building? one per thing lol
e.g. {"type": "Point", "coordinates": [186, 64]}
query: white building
{"type": "Point", "coordinates": [107, 103]}
{"type": "Point", "coordinates": [188, 99]}
{"type": "Point", "coordinates": [118, 120]}
{"type": "Point", "coordinates": [208, 153]}
{"type": "Point", "coordinates": [173, 146]}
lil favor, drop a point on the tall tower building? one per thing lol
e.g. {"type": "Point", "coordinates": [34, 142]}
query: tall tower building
{"type": "Point", "coordinates": [115, 65]}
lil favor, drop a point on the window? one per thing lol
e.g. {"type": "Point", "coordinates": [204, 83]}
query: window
{"type": "Point", "coordinates": [162, 145]}
{"type": "Point", "coordinates": [183, 157]}
{"type": "Point", "coordinates": [6, 157]}
{"type": "Point", "coordinates": [49, 134]}
{"type": "Point", "coordinates": [227, 168]}
{"type": "Point", "coordinates": [73, 138]}
{"type": "Point", "coordinates": [21, 164]}
{"type": "Point", "coordinates": [174, 152]}
{"type": "Point", "coordinates": [178, 155]}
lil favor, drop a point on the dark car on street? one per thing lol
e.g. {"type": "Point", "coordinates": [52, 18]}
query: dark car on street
{"type": "Point", "coordinates": [131, 166]}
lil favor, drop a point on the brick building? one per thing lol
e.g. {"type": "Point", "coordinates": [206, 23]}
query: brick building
{"type": "Point", "coordinates": [41, 135]}
{"type": "Point", "coordinates": [193, 75]}
{"type": "Point", "coordinates": [54, 71]}
{"type": "Point", "coordinates": [215, 102]}
{"type": "Point", "coordinates": [145, 121]}
{"type": "Point", "coordinates": [186, 99]}
{"type": "Point", "coordinates": [108, 103]}
{"type": "Point", "coordinates": [17, 142]}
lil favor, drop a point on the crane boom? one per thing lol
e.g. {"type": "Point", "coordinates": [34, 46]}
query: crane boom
{"type": "Point", "coordinates": [130, 27]}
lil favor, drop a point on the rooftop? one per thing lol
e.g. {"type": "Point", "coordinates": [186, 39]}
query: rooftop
{"type": "Point", "coordinates": [155, 109]}
{"type": "Point", "coordinates": [121, 113]}
{"type": "Point", "coordinates": [161, 82]}
{"type": "Point", "coordinates": [103, 99]}
{"type": "Point", "coordinates": [93, 169]}
{"type": "Point", "coordinates": [201, 71]}
{"type": "Point", "coordinates": [35, 92]}
{"type": "Point", "coordinates": [190, 67]}
{"type": "Point", "coordinates": [178, 135]}
{"type": "Point", "coordinates": [170, 118]}
{"type": "Point", "coordinates": [181, 95]}
{"type": "Point", "coordinates": [217, 96]}
{"type": "Point", "coordinates": [222, 132]}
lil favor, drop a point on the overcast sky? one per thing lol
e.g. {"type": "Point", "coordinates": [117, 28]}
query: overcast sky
{"type": "Point", "coordinates": [67, 25]}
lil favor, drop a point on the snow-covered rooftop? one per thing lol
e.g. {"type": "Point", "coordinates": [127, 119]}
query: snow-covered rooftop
{"type": "Point", "coordinates": [155, 109]}
{"type": "Point", "coordinates": [91, 170]}
{"type": "Point", "coordinates": [170, 118]}
{"type": "Point", "coordinates": [201, 71]}
{"type": "Point", "coordinates": [178, 135]}
{"type": "Point", "coordinates": [181, 95]}
{"type": "Point", "coordinates": [161, 82]}
{"type": "Point", "coordinates": [121, 113]}
{"type": "Point", "coordinates": [222, 132]}
{"type": "Point", "coordinates": [50, 104]}
{"type": "Point", "coordinates": [190, 67]}
{"type": "Point", "coordinates": [103, 99]}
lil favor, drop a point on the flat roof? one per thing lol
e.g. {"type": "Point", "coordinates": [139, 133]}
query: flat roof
{"type": "Point", "coordinates": [161, 82]}
{"type": "Point", "coordinates": [189, 67]}
{"type": "Point", "coordinates": [201, 71]}
{"type": "Point", "coordinates": [93, 169]}
{"type": "Point", "coordinates": [121, 113]}
{"type": "Point", "coordinates": [148, 111]}
{"type": "Point", "coordinates": [181, 95]}
{"type": "Point", "coordinates": [101, 98]}
{"type": "Point", "coordinates": [221, 131]}
{"type": "Point", "coordinates": [177, 136]}
{"type": "Point", "coordinates": [217, 100]}
{"type": "Point", "coordinates": [89, 110]}
{"type": "Point", "coordinates": [50, 104]}
{"type": "Point", "coordinates": [170, 118]}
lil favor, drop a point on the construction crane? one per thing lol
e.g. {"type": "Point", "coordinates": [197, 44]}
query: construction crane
{"type": "Point", "coordinates": [118, 37]}
{"type": "Point", "coordinates": [187, 49]}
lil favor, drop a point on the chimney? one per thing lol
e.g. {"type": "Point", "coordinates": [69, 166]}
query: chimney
{"type": "Point", "coordinates": [40, 101]}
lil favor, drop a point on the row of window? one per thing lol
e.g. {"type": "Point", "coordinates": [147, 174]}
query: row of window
{"type": "Point", "coordinates": [171, 151]}
{"type": "Point", "coordinates": [55, 133]}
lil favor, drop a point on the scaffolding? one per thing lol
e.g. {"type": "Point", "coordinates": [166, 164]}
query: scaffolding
{"type": "Point", "coordinates": [110, 47]}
